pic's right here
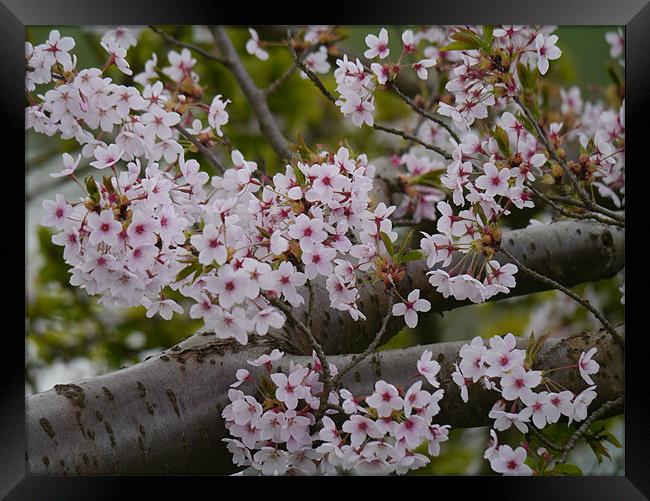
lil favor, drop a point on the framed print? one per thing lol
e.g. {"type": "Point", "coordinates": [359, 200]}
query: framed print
{"type": "Point", "coordinates": [384, 242]}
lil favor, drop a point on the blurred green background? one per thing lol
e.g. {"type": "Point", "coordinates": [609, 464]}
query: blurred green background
{"type": "Point", "coordinates": [69, 335]}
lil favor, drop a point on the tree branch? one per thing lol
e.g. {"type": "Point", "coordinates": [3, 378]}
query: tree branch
{"type": "Point", "coordinates": [573, 215]}
{"type": "Point", "coordinates": [209, 154]}
{"type": "Point", "coordinates": [393, 86]}
{"type": "Point", "coordinates": [600, 412]}
{"type": "Point", "coordinates": [321, 87]}
{"type": "Point", "coordinates": [541, 134]}
{"type": "Point", "coordinates": [163, 416]}
{"type": "Point", "coordinates": [256, 97]}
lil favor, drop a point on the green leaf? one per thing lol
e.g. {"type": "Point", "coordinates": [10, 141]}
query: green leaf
{"type": "Point", "coordinates": [263, 232]}
{"type": "Point", "coordinates": [488, 31]}
{"type": "Point", "coordinates": [599, 450]}
{"type": "Point", "coordinates": [567, 469]}
{"type": "Point", "coordinates": [527, 76]}
{"type": "Point", "coordinates": [188, 270]}
{"type": "Point", "coordinates": [300, 177]}
{"type": "Point", "coordinates": [106, 181]}
{"type": "Point", "coordinates": [405, 244]}
{"type": "Point", "coordinates": [91, 187]}
{"type": "Point", "coordinates": [461, 46]}
{"type": "Point", "coordinates": [413, 255]}
{"type": "Point", "coordinates": [501, 137]}
{"type": "Point", "coordinates": [608, 437]}
{"type": "Point", "coordinates": [389, 245]}
{"type": "Point", "coordinates": [468, 38]}
{"type": "Point", "coordinates": [431, 178]}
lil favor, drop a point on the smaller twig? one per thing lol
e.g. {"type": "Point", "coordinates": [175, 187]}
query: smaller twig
{"type": "Point", "coordinates": [310, 74]}
{"type": "Point", "coordinates": [212, 158]}
{"type": "Point", "coordinates": [410, 137]}
{"type": "Point", "coordinates": [573, 215]}
{"type": "Point", "coordinates": [327, 377]}
{"type": "Point", "coordinates": [549, 281]}
{"type": "Point", "coordinates": [393, 86]}
{"type": "Point", "coordinates": [541, 134]}
{"type": "Point", "coordinates": [545, 440]}
{"type": "Point", "coordinates": [174, 41]}
{"type": "Point", "coordinates": [573, 440]}
{"type": "Point", "coordinates": [617, 215]}
{"type": "Point", "coordinates": [319, 84]}
{"type": "Point", "coordinates": [273, 86]}
{"type": "Point", "coordinates": [358, 357]}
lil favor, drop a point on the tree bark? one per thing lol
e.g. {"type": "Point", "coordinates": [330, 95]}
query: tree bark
{"type": "Point", "coordinates": [163, 416]}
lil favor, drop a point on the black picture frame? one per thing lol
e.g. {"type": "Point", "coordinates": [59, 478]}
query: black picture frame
{"type": "Point", "coordinates": [15, 15]}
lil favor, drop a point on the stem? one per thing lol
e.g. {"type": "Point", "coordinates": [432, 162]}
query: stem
{"type": "Point", "coordinates": [608, 326]}
{"type": "Point", "coordinates": [319, 84]}
{"type": "Point", "coordinates": [256, 97]}
{"type": "Point", "coordinates": [420, 111]}
{"type": "Point", "coordinates": [573, 215]}
{"type": "Point", "coordinates": [327, 378]}
{"type": "Point", "coordinates": [212, 158]}
{"type": "Point", "coordinates": [173, 41]}
{"type": "Point", "coordinates": [356, 358]}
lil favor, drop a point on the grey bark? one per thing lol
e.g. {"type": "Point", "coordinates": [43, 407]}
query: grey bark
{"type": "Point", "coordinates": [163, 416]}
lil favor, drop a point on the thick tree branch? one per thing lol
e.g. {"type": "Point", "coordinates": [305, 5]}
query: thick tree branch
{"type": "Point", "coordinates": [255, 96]}
{"type": "Point", "coordinates": [163, 416]}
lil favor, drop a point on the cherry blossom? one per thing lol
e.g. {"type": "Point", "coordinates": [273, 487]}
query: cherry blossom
{"type": "Point", "coordinates": [511, 462]}
{"type": "Point", "coordinates": [588, 366]}
{"type": "Point", "coordinates": [546, 51]}
{"type": "Point", "coordinates": [378, 45]}
{"type": "Point", "coordinates": [107, 156]}
{"type": "Point", "coordinates": [103, 228]}
{"type": "Point", "coordinates": [253, 46]}
{"type": "Point", "coordinates": [429, 368]}
{"type": "Point", "coordinates": [56, 212]}
{"type": "Point", "coordinates": [410, 307]}
{"type": "Point", "coordinates": [385, 399]}
{"type": "Point", "coordinates": [242, 249]}
{"type": "Point", "coordinates": [519, 382]}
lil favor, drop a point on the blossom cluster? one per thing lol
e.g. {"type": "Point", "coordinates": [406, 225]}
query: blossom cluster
{"type": "Point", "coordinates": [357, 82]}
{"type": "Point", "coordinates": [277, 433]}
{"type": "Point", "coordinates": [505, 369]}
{"type": "Point", "coordinates": [487, 73]}
{"type": "Point", "coordinates": [233, 246]}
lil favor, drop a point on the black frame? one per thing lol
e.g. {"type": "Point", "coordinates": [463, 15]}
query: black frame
{"type": "Point", "coordinates": [634, 14]}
